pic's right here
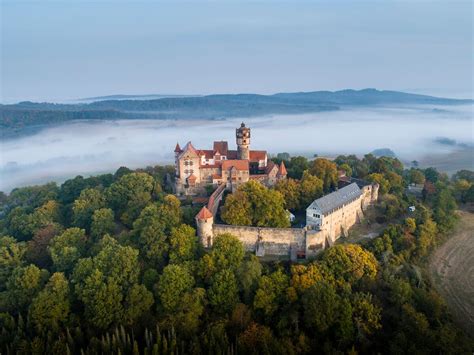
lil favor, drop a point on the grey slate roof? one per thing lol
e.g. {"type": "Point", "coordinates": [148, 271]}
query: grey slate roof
{"type": "Point", "coordinates": [337, 198]}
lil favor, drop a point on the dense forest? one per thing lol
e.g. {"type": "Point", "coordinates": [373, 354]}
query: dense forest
{"type": "Point", "coordinates": [111, 265]}
{"type": "Point", "coordinates": [17, 118]}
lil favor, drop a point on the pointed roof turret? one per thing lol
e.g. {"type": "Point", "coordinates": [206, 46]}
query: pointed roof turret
{"type": "Point", "coordinates": [204, 213]}
{"type": "Point", "coordinates": [189, 148]}
{"type": "Point", "coordinates": [178, 148]}
{"type": "Point", "coordinates": [282, 169]}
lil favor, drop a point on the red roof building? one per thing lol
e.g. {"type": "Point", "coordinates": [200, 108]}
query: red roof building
{"type": "Point", "coordinates": [204, 213]}
{"type": "Point", "coordinates": [197, 168]}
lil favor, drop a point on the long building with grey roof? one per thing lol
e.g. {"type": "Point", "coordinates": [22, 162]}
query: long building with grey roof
{"type": "Point", "coordinates": [336, 212]}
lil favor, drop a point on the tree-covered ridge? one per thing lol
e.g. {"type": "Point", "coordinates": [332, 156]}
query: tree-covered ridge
{"type": "Point", "coordinates": [112, 264]}
{"type": "Point", "coordinates": [15, 118]}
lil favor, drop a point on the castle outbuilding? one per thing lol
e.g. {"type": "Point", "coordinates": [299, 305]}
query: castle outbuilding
{"type": "Point", "coordinates": [198, 168]}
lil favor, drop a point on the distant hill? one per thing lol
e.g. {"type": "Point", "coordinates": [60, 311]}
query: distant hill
{"type": "Point", "coordinates": [127, 97]}
{"type": "Point", "coordinates": [19, 118]}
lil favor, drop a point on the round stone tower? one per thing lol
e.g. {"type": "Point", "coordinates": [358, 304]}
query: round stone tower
{"type": "Point", "coordinates": [204, 222]}
{"type": "Point", "coordinates": [242, 135]}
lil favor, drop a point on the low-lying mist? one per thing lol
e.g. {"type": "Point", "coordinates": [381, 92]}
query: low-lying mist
{"type": "Point", "coordinates": [87, 148]}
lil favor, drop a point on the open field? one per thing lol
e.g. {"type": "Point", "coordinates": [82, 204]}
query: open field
{"type": "Point", "coordinates": [451, 162]}
{"type": "Point", "coordinates": [452, 271]}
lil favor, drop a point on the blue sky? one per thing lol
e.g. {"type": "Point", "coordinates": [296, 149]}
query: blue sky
{"type": "Point", "coordinates": [60, 50]}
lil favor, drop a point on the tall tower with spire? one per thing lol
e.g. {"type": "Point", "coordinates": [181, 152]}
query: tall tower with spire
{"type": "Point", "coordinates": [242, 135]}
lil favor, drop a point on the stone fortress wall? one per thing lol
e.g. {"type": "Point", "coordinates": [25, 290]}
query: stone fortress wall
{"type": "Point", "coordinates": [292, 242]}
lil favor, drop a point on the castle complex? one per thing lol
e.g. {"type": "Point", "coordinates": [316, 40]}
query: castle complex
{"type": "Point", "coordinates": [198, 168]}
{"type": "Point", "coordinates": [327, 218]}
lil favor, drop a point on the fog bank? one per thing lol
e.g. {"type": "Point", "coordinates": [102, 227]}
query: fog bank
{"type": "Point", "coordinates": [91, 147]}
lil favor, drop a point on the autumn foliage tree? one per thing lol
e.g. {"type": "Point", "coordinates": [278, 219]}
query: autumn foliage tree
{"type": "Point", "coordinates": [254, 204]}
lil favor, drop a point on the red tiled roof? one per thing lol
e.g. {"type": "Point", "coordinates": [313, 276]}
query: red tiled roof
{"type": "Point", "coordinates": [192, 177]}
{"type": "Point", "coordinates": [208, 154]}
{"type": "Point", "coordinates": [200, 199]}
{"type": "Point", "coordinates": [238, 164]}
{"type": "Point", "coordinates": [204, 213]}
{"type": "Point", "coordinates": [256, 155]}
{"type": "Point", "coordinates": [222, 147]}
{"type": "Point", "coordinates": [177, 149]}
{"type": "Point", "coordinates": [282, 169]}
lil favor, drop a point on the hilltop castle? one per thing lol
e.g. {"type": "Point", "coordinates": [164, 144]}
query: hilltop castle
{"type": "Point", "coordinates": [198, 168]}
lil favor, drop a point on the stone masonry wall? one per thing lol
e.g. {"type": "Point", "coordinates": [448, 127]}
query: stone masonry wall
{"type": "Point", "coordinates": [275, 241]}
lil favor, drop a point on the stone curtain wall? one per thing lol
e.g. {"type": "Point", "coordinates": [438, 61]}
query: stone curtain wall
{"type": "Point", "coordinates": [275, 241]}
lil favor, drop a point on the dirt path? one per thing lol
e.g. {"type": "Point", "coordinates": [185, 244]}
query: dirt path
{"type": "Point", "coordinates": [452, 271]}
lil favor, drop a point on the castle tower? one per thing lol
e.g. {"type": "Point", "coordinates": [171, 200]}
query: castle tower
{"type": "Point", "coordinates": [242, 135]}
{"type": "Point", "coordinates": [177, 152]}
{"type": "Point", "coordinates": [204, 223]}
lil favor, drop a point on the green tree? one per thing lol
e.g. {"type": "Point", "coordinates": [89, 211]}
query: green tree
{"type": "Point", "coordinates": [102, 298]}
{"type": "Point", "coordinates": [102, 223]}
{"type": "Point", "coordinates": [296, 166]}
{"type": "Point", "coordinates": [263, 206]}
{"type": "Point", "coordinates": [138, 301]}
{"type": "Point", "coordinates": [67, 248]}
{"type": "Point", "coordinates": [326, 170]}
{"type": "Point", "coordinates": [366, 315]}
{"type": "Point", "coordinates": [173, 284]}
{"type": "Point", "coordinates": [271, 294]}
{"type": "Point", "coordinates": [181, 304]}
{"type": "Point", "coordinates": [153, 226]}
{"type": "Point", "coordinates": [223, 293]}
{"type": "Point", "coordinates": [416, 177]}
{"type": "Point", "coordinates": [302, 278]}
{"type": "Point", "coordinates": [227, 253]}
{"type": "Point", "coordinates": [461, 188]}
{"type": "Point", "coordinates": [19, 224]}
{"type": "Point", "coordinates": [11, 257]}
{"type": "Point", "coordinates": [248, 275]}
{"type": "Point", "coordinates": [183, 244]}
{"type": "Point", "coordinates": [47, 214]}
{"type": "Point", "coordinates": [129, 195]}
{"type": "Point", "coordinates": [289, 188]}
{"type": "Point", "coordinates": [321, 305]}
{"type": "Point", "coordinates": [444, 206]}
{"type": "Point", "coordinates": [49, 311]}
{"type": "Point", "coordinates": [432, 175]}
{"type": "Point", "coordinates": [426, 237]}
{"type": "Point", "coordinates": [22, 286]}
{"type": "Point", "coordinates": [384, 184]}
{"type": "Point", "coordinates": [83, 208]}
{"type": "Point", "coordinates": [237, 209]}
{"type": "Point", "coordinates": [395, 181]}
{"type": "Point", "coordinates": [346, 168]}
{"type": "Point", "coordinates": [107, 285]}
{"type": "Point", "coordinates": [310, 188]}
{"type": "Point", "coordinates": [350, 262]}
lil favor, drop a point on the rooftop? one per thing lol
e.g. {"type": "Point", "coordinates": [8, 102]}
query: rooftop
{"type": "Point", "coordinates": [337, 198]}
{"type": "Point", "coordinates": [238, 164]}
{"type": "Point", "coordinates": [204, 213]}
